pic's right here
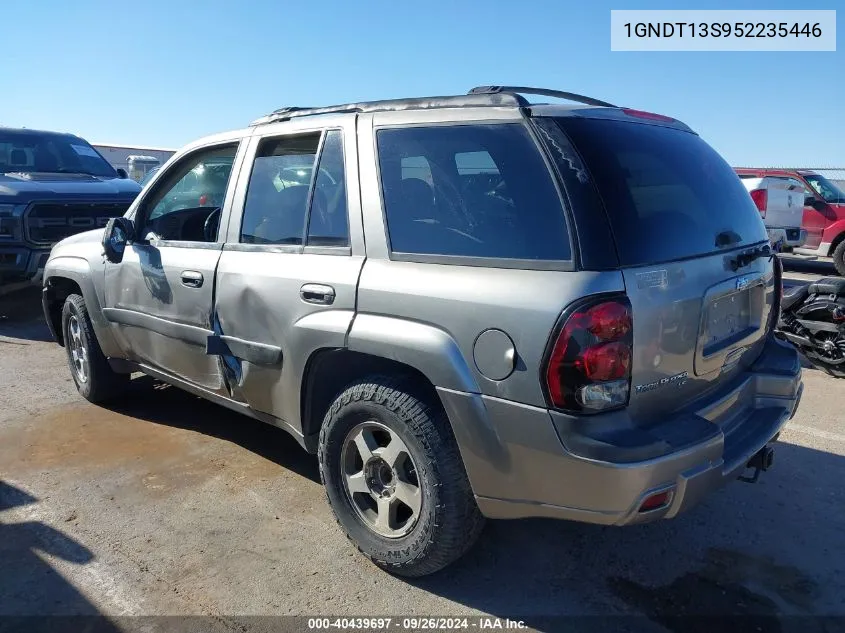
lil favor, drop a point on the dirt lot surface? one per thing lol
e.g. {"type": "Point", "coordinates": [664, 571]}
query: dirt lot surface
{"type": "Point", "coordinates": [168, 505]}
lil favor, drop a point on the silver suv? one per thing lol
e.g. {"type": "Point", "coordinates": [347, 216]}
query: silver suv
{"type": "Point", "coordinates": [468, 306]}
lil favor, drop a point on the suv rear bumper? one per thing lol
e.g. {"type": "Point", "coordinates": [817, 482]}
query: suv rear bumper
{"type": "Point", "coordinates": [523, 461]}
{"type": "Point", "coordinates": [787, 236]}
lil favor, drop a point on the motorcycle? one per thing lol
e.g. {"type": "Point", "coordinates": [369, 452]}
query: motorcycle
{"type": "Point", "coordinates": [812, 317]}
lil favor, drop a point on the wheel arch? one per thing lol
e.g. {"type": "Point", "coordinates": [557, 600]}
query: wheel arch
{"type": "Point", "coordinates": [330, 370]}
{"type": "Point", "coordinates": [834, 234]}
{"type": "Point", "coordinates": [68, 275]}
{"type": "Point", "coordinates": [837, 240]}
{"type": "Point", "coordinates": [56, 290]}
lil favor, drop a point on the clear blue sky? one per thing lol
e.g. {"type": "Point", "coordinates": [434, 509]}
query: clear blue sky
{"type": "Point", "coordinates": [164, 72]}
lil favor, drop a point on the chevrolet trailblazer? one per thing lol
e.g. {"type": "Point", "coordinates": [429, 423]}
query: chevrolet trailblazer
{"type": "Point", "coordinates": [468, 306]}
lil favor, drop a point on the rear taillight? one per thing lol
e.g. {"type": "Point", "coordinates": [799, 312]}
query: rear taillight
{"type": "Point", "coordinates": [589, 367]}
{"type": "Point", "coordinates": [761, 199]}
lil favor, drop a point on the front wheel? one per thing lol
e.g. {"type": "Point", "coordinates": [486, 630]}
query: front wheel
{"type": "Point", "coordinates": [94, 378]}
{"type": "Point", "coordinates": [394, 478]}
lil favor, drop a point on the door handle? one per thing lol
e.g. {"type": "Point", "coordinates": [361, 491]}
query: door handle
{"type": "Point", "coordinates": [317, 293]}
{"type": "Point", "coordinates": [192, 278]}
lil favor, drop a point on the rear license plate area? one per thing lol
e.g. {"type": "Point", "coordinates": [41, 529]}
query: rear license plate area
{"type": "Point", "coordinates": [729, 319]}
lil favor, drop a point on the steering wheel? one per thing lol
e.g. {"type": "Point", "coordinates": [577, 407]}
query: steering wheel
{"type": "Point", "coordinates": [211, 226]}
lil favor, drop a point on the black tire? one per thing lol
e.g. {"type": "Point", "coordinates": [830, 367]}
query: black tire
{"type": "Point", "coordinates": [837, 371]}
{"type": "Point", "coordinates": [448, 522]}
{"type": "Point", "coordinates": [99, 383]}
{"type": "Point", "coordinates": [839, 258]}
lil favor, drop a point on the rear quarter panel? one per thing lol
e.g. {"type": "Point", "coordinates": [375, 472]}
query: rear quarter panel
{"type": "Point", "coordinates": [462, 302]}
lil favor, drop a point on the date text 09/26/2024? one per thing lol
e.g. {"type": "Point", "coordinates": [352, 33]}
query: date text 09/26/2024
{"type": "Point", "coordinates": [414, 623]}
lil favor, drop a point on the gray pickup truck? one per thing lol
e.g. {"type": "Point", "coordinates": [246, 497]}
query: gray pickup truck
{"type": "Point", "coordinates": [469, 306]}
{"type": "Point", "coordinates": [51, 186]}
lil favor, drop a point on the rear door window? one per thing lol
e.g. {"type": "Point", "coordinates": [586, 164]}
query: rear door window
{"type": "Point", "coordinates": [328, 223]}
{"type": "Point", "coordinates": [668, 195]}
{"type": "Point", "coordinates": [470, 191]}
{"type": "Point", "coordinates": [278, 191]}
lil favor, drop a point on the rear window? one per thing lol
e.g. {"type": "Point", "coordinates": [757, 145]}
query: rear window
{"type": "Point", "coordinates": [470, 191]}
{"type": "Point", "coordinates": [668, 195]}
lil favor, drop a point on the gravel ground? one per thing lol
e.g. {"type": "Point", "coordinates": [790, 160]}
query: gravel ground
{"type": "Point", "coordinates": [169, 505]}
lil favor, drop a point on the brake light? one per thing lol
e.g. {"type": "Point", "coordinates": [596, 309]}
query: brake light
{"type": "Point", "coordinates": [648, 115]}
{"type": "Point", "coordinates": [609, 321]}
{"type": "Point", "coordinates": [589, 368]}
{"type": "Point", "coordinates": [607, 361]}
{"type": "Point", "coordinates": [761, 199]}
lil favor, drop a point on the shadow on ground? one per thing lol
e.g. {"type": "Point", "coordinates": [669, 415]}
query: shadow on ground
{"type": "Point", "coordinates": [32, 592]}
{"type": "Point", "coordinates": [736, 563]}
{"type": "Point", "coordinates": [178, 409]}
{"type": "Point", "coordinates": [21, 316]}
{"type": "Point", "coordinates": [762, 557]}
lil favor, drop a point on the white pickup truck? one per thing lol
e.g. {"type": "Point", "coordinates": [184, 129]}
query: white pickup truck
{"type": "Point", "coordinates": [781, 205]}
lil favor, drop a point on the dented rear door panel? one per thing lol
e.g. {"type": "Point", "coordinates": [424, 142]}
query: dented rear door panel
{"type": "Point", "coordinates": [269, 317]}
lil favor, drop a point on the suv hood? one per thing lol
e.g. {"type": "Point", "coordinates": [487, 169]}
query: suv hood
{"type": "Point", "coordinates": [20, 188]}
{"type": "Point", "coordinates": [94, 236]}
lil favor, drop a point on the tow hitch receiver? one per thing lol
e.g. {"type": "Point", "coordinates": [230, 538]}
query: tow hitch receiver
{"type": "Point", "coordinates": [762, 460]}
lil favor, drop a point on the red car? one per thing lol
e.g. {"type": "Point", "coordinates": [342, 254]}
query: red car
{"type": "Point", "coordinates": [824, 213]}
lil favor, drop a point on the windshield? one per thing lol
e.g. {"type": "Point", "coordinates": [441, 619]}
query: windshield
{"type": "Point", "coordinates": [668, 195]}
{"type": "Point", "coordinates": [22, 151]}
{"type": "Point", "coordinates": [826, 189]}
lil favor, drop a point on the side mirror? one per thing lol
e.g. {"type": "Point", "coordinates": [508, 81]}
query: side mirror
{"type": "Point", "coordinates": [118, 232]}
{"type": "Point", "coordinates": [121, 172]}
{"type": "Point", "coordinates": [812, 201]}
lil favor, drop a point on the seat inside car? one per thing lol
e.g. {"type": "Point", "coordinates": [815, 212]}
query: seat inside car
{"type": "Point", "coordinates": [285, 213]}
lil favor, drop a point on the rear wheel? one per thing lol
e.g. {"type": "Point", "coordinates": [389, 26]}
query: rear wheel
{"type": "Point", "coordinates": [839, 258]}
{"type": "Point", "coordinates": [394, 478]}
{"type": "Point", "coordinates": [94, 378]}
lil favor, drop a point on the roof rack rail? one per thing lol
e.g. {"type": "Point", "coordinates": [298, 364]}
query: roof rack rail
{"type": "Point", "coordinates": [422, 103]}
{"type": "Point", "coordinates": [560, 94]}
{"type": "Point", "coordinates": [480, 96]}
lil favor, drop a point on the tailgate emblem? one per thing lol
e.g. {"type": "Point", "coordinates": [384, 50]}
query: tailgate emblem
{"type": "Point", "coordinates": [742, 283]}
{"type": "Point", "coordinates": [677, 380]}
